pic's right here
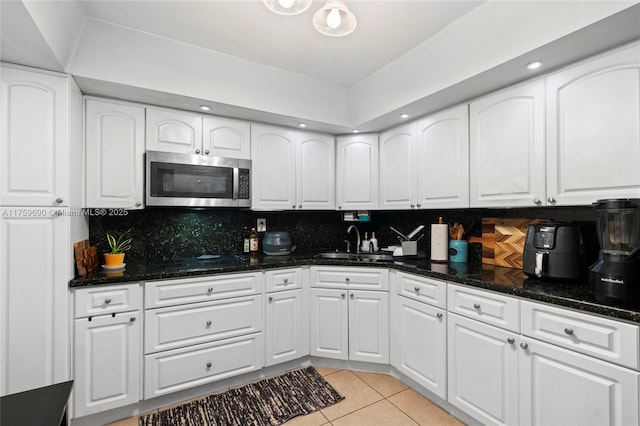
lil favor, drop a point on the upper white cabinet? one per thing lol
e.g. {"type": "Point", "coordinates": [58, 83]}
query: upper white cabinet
{"type": "Point", "coordinates": [425, 164]}
{"type": "Point", "coordinates": [34, 147]}
{"type": "Point", "coordinates": [114, 142]}
{"type": "Point", "coordinates": [357, 172]}
{"type": "Point", "coordinates": [593, 129]}
{"type": "Point", "coordinates": [189, 133]}
{"type": "Point", "coordinates": [507, 148]}
{"type": "Point", "coordinates": [291, 170]}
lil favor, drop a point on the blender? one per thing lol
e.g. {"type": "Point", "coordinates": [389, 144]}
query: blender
{"type": "Point", "coordinates": [615, 277]}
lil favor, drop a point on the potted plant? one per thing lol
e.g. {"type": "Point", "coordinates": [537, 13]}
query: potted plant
{"type": "Point", "coordinates": [118, 245]}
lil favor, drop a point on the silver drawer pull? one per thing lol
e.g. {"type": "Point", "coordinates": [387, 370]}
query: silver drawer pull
{"type": "Point", "coordinates": [511, 340]}
{"type": "Point", "coordinates": [524, 346]}
{"type": "Point", "coordinates": [439, 315]}
{"type": "Point", "coordinates": [347, 280]}
{"type": "Point", "coordinates": [132, 319]}
{"type": "Point", "coordinates": [208, 323]}
{"type": "Point", "coordinates": [416, 289]}
{"type": "Point", "coordinates": [476, 305]}
{"type": "Point", "coordinates": [107, 301]}
{"type": "Point", "coordinates": [285, 281]}
{"type": "Point", "coordinates": [270, 299]}
{"type": "Point", "coordinates": [209, 364]}
{"type": "Point", "coordinates": [353, 296]}
{"type": "Point", "coordinates": [568, 331]}
{"type": "Point", "coordinates": [210, 290]}
{"type": "Point", "coordinates": [342, 295]}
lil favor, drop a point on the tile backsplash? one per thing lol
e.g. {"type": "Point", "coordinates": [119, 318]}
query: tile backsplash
{"type": "Point", "coordinates": [172, 233]}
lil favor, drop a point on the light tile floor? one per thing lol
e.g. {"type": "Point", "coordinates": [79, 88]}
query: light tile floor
{"type": "Point", "coordinates": [370, 399]}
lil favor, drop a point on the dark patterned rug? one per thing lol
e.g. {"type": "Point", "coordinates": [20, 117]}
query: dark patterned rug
{"type": "Point", "coordinates": [271, 401]}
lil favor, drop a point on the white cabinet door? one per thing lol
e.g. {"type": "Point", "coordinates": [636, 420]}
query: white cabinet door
{"type": "Point", "coordinates": [223, 137]}
{"type": "Point", "coordinates": [593, 130]}
{"type": "Point", "coordinates": [483, 371]}
{"type": "Point", "coordinates": [315, 172]}
{"type": "Point", "coordinates": [173, 131]}
{"type": "Point", "coordinates": [561, 387]}
{"type": "Point", "coordinates": [443, 159]}
{"type": "Point", "coordinates": [369, 326]}
{"type": "Point", "coordinates": [114, 154]}
{"type": "Point", "coordinates": [507, 148]}
{"type": "Point", "coordinates": [329, 323]}
{"type": "Point", "coordinates": [34, 143]}
{"type": "Point", "coordinates": [273, 168]}
{"type": "Point", "coordinates": [107, 362]}
{"type": "Point", "coordinates": [419, 343]}
{"type": "Point", "coordinates": [357, 172]}
{"type": "Point", "coordinates": [34, 306]}
{"type": "Point", "coordinates": [285, 326]}
{"type": "Point", "coordinates": [398, 163]}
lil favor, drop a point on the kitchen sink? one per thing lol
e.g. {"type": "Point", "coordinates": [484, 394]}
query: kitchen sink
{"type": "Point", "coordinates": [362, 257]}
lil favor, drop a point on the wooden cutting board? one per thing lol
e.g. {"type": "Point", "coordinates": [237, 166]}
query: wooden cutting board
{"type": "Point", "coordinates": [503, 240]}
{"type": "Point", "coordinates": [86, 257]}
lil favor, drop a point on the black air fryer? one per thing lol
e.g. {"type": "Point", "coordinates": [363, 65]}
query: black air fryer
{"type": "Point", "coordinates": [553, 251]}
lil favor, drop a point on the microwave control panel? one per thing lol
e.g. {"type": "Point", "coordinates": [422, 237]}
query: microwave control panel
{"type": "Point", "coordinates": [243, 185]}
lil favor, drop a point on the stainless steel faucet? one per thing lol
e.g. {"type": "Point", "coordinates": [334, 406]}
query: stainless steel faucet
{"type": "Point", "coordinates": [357, 235]}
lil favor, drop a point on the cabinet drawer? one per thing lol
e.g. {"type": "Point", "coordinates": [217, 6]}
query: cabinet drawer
{"type": "Point", "coordinates": [177, 326]}
{"type": "Point", "coordinates": [486, 306]}
{"type": "Point", "coordinates": [602, 338]}
{"type": "Point", "coordinates": [352, 278]}
{"type": "Point", "coordinates": [427, 290]}
{"type": "Point", "coordinates": [191, 290]}
{"type": "Point", "coordinates": [100, 300]}
{"type": "Point", "coordinates": [170, 371]}
{"type": "Point", "coordinates": [283, 279]}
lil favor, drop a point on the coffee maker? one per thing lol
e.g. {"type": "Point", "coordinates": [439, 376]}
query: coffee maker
{"type": "Point", "coordinates": [615, 277]}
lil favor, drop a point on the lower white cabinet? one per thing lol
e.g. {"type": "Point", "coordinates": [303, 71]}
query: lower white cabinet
{"type": "Point", "coordinates": [418, 343]}
{"type": "Point", "coordinates": [350, 324]}
{"type": "Point", "coordinates": [286, 327]}
{"type": "Point", "coordinates": [107, 354]}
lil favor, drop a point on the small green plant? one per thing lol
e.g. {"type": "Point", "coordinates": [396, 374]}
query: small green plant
{"type": "Point", "coordinates": [119, 244]}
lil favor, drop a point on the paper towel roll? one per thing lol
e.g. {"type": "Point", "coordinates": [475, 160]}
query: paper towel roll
{"type": "Point", "coordinates": [439, 242]}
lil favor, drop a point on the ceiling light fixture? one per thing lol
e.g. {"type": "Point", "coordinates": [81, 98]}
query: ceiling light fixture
{"type": "Point", "coordinates": [534, 65]}
{"type": "Point", "coordinates": [287, 7]}
{"type": "Point", "coordinates": [334, 19]}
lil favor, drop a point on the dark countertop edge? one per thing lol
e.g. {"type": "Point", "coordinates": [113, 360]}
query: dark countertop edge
{"type": "Point", "coordinates": [536, 294]}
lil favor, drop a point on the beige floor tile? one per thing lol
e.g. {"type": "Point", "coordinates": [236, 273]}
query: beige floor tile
{"type": "Point", "coordinates": [131, 421]}
{"type": "Point", "coordinates": [356, 392]}
{"type": "Point", "coordinates": [325, 371]}
{"type": "Point", "coordinates": [314, 419]}
{"type": "Point", "coordinates": [422, 410]}
{"type": "Point", "coordinates": [381, 413]}
{"type": "Point", "coordinates": [384, 384]}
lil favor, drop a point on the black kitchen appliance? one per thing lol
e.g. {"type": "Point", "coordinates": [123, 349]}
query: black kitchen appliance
{"type": "Point", "coordinates": [615, 277]}
{"type": "Point", "coordinates": [553, 251]}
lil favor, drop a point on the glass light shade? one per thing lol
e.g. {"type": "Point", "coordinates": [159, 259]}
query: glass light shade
{"type": "Point", "coordinates": [334, 19]}
{"type": "Point", "coordinates": [287, 7]}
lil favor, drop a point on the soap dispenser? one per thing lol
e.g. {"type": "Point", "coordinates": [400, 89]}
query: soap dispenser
{"type": "Point", "coordinates": [373, 242]}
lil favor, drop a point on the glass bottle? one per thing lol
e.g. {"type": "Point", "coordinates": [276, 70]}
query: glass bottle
{"type": "Point", "coordinates": [253, 241]}
{"type": "Point", "coordinates": [246, 242]}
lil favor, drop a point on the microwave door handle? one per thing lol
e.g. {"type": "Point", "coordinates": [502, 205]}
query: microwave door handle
{"type": "Point", "coordinates": [236, 182]}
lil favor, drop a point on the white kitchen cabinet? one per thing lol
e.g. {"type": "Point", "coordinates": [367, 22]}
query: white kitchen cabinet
{"type": "Point", "coordinates": [224, 137]}
{"type": "Point", "coordinates": [350, 324]}
{"type": "Point", "coordinates": [114, 149]}
{"type": "Point", "coordinates": [34, 266]}
{"type": "Point", "coordinates": [107, 347]}
{"type": "Point", "coordinates": [443, 159]}
{"type": "Point", "coordinates": [357, 162]}
{"type": "Point", "coordinates": [507, 147]}
{"type": "Point", "coordinates": [593, 129]}
{"type": "Point", "coordinates": [561, 387]}
{"type": "Point", "coordinates": [291, 170]}
{"type": "Point", "coordinates": [286, 327]}
{"type": "Point", "coordinates": [398, 168]}
{"type": "Point", "coordinates": [34, 145]}
{"type": "Point", "coordinates": [482, 364]}
{"type": "Point", "coordinates": [171, 130]}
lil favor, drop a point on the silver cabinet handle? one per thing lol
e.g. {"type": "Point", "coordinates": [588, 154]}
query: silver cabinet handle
{"type": "Point", "coordinates": [568, 331]}
{"type": "Point", "coordinates": [511, 340]}
{"type": "Point", "coordinates": [209, 364]}
{"type": "Point", "coordinates": [285, 281]}
{"type": "Point", "coordinates": [210, 290]}
{"type": "Point", "coordinates": [416, 289]}
{"type": "Point", "coordinates": [419, 205]}
{"type": "Point", "coordinates": [197, 151]}
{"type": "Point", "coordinates": [551, 200]}
{"type": "Point", "coordinates": [270, 299]}
{"type": "Point", "coordinates": [138, 204]}
{"type": "Point", "coordinates": [537, 201]}
{"type": "Point", "coordinates": [413, 206]}
{"type": "Point", "coordinates": [524, 346]}
{"type": "Point", "coordinates": [439, 315]}
{"type": "Point", "coordinates": [209, 323]}
{"type": "Point", "coordinates": [107, 301]}
{"type": "Point", "coordinates": [59, 200]}
{"type": "Point", "coordinates": [206, 152]}
{"type": "Point", "coordinates": [299, 206]}
{"type": "Point", "coordinates": [293, 206]}
{"type": "Point", "coordinates": [352, 296]}
{"type": "Point", "coordinates": [476, 305]}
{"type": "Point", "coordinates": [342, 295]}
{"type": "Point", "coordinates": [347, 280]}
{"type": "Point", "coordinates": [132, 319]}
{"type": "Point", "coordinates": [339, 207]}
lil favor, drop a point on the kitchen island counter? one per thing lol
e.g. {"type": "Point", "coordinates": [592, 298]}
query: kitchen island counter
{"type": "Point", "coordinates": [574, 295]}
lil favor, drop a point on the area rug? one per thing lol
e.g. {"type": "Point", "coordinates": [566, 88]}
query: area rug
{"type": "Point", "coordinates": [271, 401]}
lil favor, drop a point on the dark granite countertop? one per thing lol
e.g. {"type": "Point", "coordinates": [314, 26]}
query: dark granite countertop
{"type": "Point", "coordinates": [475, 274]}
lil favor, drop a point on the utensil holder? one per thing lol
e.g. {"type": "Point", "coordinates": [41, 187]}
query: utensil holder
{"type": "Point", "coordinates": [458, 250]}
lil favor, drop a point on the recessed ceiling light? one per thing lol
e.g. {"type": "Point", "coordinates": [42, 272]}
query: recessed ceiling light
{"type": "Point", "coordinates": [205, 108]}
{"type": "Point", "coordinates": [302, 125]}
{"type": "Point", "coordinates": [534, 65]}
{"type": "Point", "coordinates": [404, 115]}
{"type": "Point", "coordinates": [355, 131]}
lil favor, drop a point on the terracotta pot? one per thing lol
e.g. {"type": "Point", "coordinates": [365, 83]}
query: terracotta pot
{"type": "Point", "coordinates": [113, 259]}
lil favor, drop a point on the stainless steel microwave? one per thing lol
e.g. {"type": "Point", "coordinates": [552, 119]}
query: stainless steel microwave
{"type": "Point", "coordinates": [185, 180]}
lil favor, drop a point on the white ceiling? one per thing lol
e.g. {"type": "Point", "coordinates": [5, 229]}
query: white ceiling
{"type": "Point", "coordinates": [248, 30]}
